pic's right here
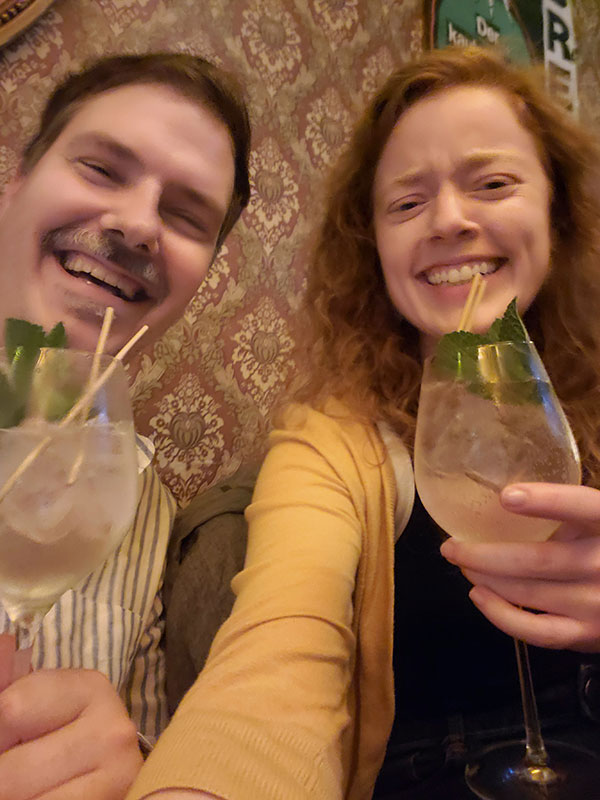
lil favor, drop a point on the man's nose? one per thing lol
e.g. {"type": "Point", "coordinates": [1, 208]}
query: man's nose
{"type": "Point", "coordinates": [451, 214]}
{"type": "Point", "coordinates": [134, 214]}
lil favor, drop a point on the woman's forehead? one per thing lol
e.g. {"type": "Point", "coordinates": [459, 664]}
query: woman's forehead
{"type": "Point", "coordinates": [455, 123]}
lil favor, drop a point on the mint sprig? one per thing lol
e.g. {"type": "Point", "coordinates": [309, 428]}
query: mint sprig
{"type": "Point", "coordinates": [457, 356]}
{"type": "Point", "coordinates": [22, 342]}
{"type": "Point", "coordinates": [457, 351]}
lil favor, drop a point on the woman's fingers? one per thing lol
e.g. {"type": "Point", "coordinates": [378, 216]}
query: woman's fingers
{"type": "Point", "coordinates": [561, 502]}
{"type": "Point", "coordinates": [580, 600]}
{"type": "Point", "coordinates": [543, 630]}
{"type": "Point", "coordinates": [577, 559]}
{"type": "Point", "coordinates": [559, 578]}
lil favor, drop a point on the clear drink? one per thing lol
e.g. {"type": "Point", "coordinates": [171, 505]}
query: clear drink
{"type": "Point", "coordinates": [52, 533]}
{"type": "Point", "coordinates": [488, 417]}
{"type": "Point", "coordinates": [471, 511]}
{"type": "Point", "coordinates": [471, 448]}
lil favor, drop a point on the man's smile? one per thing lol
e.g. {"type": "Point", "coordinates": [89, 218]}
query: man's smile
{"type": "Point", "coordinates": [102, 259]}
{"type": "Point", "coordinates": [82, 266]}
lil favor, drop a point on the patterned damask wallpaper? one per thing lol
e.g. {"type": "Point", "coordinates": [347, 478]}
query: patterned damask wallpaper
{"type": "Point", "coordinates": [204, 391]}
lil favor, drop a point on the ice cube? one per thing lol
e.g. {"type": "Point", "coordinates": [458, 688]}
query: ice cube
{"type": "Point", "coordinates": [38, 509]}
{"type": "Point", "coordinates": [466, 436]}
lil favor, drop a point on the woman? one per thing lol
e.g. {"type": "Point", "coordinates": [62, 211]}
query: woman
{"type": "Point", "coordinates": [461, 165]}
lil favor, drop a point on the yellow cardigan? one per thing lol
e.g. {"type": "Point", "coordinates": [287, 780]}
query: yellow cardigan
{"type": "Point", "coordinates": [296, 700]}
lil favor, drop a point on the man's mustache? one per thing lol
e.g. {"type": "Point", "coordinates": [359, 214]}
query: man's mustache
{"type": "Point", "coordinates": [106, 245]}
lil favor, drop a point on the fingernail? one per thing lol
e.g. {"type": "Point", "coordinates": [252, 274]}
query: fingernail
{"type": "Point", "coordinates": [514, 497]}
{"type": "Point", "coordinates": [475, 595]}
{"type": "Point", "coordinates": [448, 549]}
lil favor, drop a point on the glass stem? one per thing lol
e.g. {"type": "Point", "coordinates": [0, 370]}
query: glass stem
{"type": "Point", "coordinates": [535, 750]}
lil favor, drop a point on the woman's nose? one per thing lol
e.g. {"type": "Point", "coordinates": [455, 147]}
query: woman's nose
{"type": "Point", "coordinates": [451, 214]}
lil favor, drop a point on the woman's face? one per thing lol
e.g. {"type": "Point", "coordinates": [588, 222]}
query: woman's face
{"type": "Point", "coordinates": [460, 189]}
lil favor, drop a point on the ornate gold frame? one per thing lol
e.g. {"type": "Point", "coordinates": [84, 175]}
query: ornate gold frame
{"type": "Point", "coordinates": [16, 15]}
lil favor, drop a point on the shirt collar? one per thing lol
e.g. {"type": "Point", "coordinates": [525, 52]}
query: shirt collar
{"type": "Point", "coordinates": [145, 451]}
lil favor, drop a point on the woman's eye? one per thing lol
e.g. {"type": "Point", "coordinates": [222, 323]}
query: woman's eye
{"type": "Point", "coordinates": [497, 185]}
{"type": "Point", "coordinates": [405, 206]}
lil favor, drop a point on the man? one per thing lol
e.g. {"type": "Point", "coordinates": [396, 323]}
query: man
{"type": "Point", "coordinates": [137, 173]}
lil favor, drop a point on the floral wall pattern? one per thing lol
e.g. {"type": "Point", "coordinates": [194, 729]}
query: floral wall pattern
{"type": "Point", "coordinates": [204, 391]}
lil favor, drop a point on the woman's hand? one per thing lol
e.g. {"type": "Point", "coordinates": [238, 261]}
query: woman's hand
{"type": "Point", "coordinates": [560, 577]}
{"type": "Point", "coordinates": [65, 735]}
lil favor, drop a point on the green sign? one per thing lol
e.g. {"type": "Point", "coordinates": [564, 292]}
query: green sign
{"type": "Point", "coordinates": [464, 22]}
{"type": "Point", "coordinates": [527, 30]}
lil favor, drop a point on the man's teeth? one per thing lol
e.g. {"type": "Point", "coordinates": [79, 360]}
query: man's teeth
{"type": "Point", "coordinates": [77, 264]}
{"type": "Point", "coordinates": [461, 274]}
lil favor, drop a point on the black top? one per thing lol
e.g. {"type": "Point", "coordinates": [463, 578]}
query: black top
{"type": "Point", "coordinates": [448, 658]}
{"type": "Point", "coordinates": [455, 675]}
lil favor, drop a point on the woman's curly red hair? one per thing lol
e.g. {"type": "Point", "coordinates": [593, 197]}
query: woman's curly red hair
{"type": "Point", "coordinates": [362, 351]}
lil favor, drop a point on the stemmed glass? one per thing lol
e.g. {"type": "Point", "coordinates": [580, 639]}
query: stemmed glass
{"type": "Point", "coordinates": [497, 422]}
{"type": "Point", "coordinates": [72, 503]}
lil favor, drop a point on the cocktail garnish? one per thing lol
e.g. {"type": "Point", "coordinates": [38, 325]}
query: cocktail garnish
{"type": "Point", "coordinates": [100, 345]}
{"type": "Point", "coordinates": [82, 403]}
{"type": "Point", "coordinates": [457, 354]}
{"type": "Point", "coordinates": [22, 342]}
{"type": "Point", "coordinates": [457, 351]}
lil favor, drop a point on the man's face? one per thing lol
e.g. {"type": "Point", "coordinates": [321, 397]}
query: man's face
{"type": "Point", "coordinates": [122, 210]}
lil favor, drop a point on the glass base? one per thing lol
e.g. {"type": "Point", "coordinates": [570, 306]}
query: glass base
{"type": "Point", "coordinates": [500, 773]}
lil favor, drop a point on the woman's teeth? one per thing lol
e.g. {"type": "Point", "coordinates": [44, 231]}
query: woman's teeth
{"type": "Point", "coordinates": [461, 274]}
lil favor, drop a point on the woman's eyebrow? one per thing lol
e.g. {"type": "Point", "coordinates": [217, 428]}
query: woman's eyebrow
{"type": "Point", "coordinates": [475, 159]}
{"type": "Point", "coordinates": [481, 158]}
{"type": "Point", "coordinates": [410, 177]}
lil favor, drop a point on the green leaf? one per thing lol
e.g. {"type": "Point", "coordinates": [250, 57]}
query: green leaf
{"type": "Point", "coordinates": [20, 333]}
{"type": "Point", "coordinates": [9, 406]}
{"type": "Point", "coordinates": [22, 342]}
{"type": "Point", "coordinates": [456, 357]}
{"type": "Point", "coordinates": [457, 353]}
{"type": "Point", "coordinates": [495, 332]}
{"type": "Point", "coordinates": [58, 403]}
{"type": "Point", "coordinates": [57, 337]}
{"type": "Point", "coordinates": [511, 327]}
{"type": "Point", "coordinates": [21, 373]}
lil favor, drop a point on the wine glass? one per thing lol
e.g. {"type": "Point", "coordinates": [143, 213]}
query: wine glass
{"type": "Point", "coordinates": [490, 421]}
{"type": "Point", "coordinates": [73, 503]}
